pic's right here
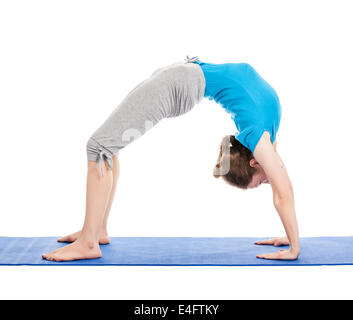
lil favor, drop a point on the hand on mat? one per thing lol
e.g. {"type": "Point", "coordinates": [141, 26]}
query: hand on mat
{"type": "Point", "coordinates": [277, 242]}
{"type": "Point", "coordinates": [279, 255]}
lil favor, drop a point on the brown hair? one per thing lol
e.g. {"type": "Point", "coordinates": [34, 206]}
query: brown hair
{"type": "Point", "coordinates": [233, 163]}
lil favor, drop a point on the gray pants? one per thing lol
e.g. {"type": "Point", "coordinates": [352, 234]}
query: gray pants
{"type": "Point", "coordinates": [169, 92]}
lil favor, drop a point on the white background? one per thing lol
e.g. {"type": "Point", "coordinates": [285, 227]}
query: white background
{"type": "Point", "coordinates": [65, 65]}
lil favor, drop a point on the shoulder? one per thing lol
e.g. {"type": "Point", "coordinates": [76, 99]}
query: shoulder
{"type": "Point", "coordinates": [274, 168]}
{"type": "Point", "coordinates": [264, 145]}
{"type": "Point", "coordinates": [266, 155]}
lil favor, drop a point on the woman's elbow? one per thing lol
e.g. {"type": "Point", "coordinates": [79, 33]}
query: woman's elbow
{"type": "Point", "coordinates": [283, 202]}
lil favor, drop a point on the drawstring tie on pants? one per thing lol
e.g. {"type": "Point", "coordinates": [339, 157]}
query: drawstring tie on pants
{"type": "Point", "coordinates": [100, 160]}
{"type": "Point", "coordinates": [192, 59]}
{"type": "Point", "coordinates": [102, 153]}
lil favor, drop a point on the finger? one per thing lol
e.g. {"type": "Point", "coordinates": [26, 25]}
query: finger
{"type": "Point", "coordinates": [265, 242]}
{"type": "Point", "coordinates": [279, 255]}
{"type": "Point", "coordinates": [283, 242]}
{"type": "Point", "coordinates": [273, 255]}
{"type": "Point", "coordinates": [261, 256]}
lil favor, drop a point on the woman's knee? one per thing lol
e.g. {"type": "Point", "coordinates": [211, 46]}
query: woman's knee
{"type": "Point", "coordinates": [98, 153]}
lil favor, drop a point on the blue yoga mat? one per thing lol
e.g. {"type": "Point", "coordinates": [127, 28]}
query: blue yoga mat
{"type": "Point", "coordinates": [149, 251]}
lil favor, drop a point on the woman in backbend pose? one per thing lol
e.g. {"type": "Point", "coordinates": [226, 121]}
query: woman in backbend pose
{"type": "Point", "coordinates": [245, 160]}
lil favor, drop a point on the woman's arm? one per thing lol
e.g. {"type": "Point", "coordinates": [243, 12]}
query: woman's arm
{"type": "Point", "coordinates": [283, 196]}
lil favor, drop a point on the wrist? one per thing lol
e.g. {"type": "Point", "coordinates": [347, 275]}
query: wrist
{"type": "Point", "coordinates": [294, 245]}
{"type": "Point", "coordinates": [295, 250]}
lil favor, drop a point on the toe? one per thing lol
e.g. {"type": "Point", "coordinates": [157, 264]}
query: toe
{"type": "Point", "coordinates": [46, 257]}
{"type": "Point", "coordinates": [55, 257]}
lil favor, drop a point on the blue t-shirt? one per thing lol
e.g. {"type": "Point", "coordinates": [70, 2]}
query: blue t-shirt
{"type": "Point", "coordinates": [251, 101]}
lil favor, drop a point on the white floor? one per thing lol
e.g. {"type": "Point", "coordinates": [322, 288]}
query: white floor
{"type": "Point", "coordinates": [176, 282]}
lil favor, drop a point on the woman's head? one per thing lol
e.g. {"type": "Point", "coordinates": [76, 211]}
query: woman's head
{"type": "Point", "coordinates": [237, 165]}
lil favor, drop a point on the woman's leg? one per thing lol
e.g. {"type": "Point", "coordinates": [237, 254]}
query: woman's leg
{"type": "Point", "coordinates": [168, 93]}
{"type": "Point", "coordinates": [98, 193]}
{"type": "Point", "coordinates": [103, 235]}
{"type": "Point", "coordinates": [104, 238]}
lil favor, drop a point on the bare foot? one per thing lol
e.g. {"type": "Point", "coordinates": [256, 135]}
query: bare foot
{"type": "Point", "coordinates": [103, 239]}
{"type": "Point", "coordinates": [75, 251]}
